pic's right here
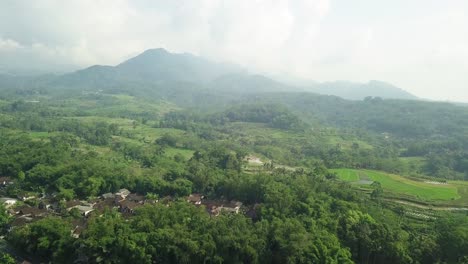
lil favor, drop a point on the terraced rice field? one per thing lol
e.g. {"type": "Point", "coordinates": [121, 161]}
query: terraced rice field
{"type": "Point", "coordinates": [398, 185]}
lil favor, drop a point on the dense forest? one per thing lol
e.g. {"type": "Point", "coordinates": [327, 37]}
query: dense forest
{"type": "Point", "coordinates": [178, 172]}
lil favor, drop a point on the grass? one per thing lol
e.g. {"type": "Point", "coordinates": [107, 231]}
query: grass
{"type": "Point", "coordinates": [396, 185]}
{"type": "Point", "coordinates": [462, 187]}
{"type": "Point", "coordinates": [347, 174]}
{"type": "Point", "coordinates": [42, 135]}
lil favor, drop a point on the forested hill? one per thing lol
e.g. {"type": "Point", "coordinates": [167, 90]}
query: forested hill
{"type": "Point", "coordinates": [404, 118]}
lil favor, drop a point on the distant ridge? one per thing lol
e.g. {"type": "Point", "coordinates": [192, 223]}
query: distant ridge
{"type": "Point", "coordinates": [358, 91]}
{"type": "Point", "coordinates": [159, 69]}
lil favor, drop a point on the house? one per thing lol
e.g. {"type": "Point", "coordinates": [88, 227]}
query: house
{"type": "Point", "coordinates": [195, 198]}
{"type": "Point", "coordinates": [84, 209]}
{"type": "Point", "coordinates": [26, 196]}
{"type": "Point", "coordinates": [214, 208]}
{"type": "Point", "coordinates": [76, 232]}
{"type": "Point", "coordinates": [107, 195]}
{"type": "Point", "coordinates": [8, 202]}
{"type": "Point", "coordinates": [102, 205]}
{"type": "Point", "coordinates": [5, 181]}
{"type": "Point", "coordinates": [45, 204]}
{"type": "Point", "coordinates": [71, 204]}
{"type": "Point", "coordinates": [232, 207]}
{"type": "Point", "coordinates": [78, 226]}
{"type": "Point", "coordinates": [123, 193]}
{"type": "Point", "coordinates": [136, 198]}
{"type": "Point", "coordinates": [128, 207]}
{"type": "Point", "coordinates": [31, 211]}
{"type": "Point", "coordinates": [166, 200]}
{"type": "Point", "coordinates": [20, 221]}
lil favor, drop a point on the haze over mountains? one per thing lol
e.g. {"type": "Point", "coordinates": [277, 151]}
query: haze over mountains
{"type": "Point", "coordinates": [156, 68]}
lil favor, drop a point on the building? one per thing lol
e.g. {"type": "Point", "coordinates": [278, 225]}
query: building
{"type": "Point", "coordinates": [107, 196]}
{"type": "Point", "coordinates": [34, 212]}
{"type": "Point", "coordinates": [195, 198]}
{"type": "Point", "coordinates": [84, 209]}
{"type": "Point", "coordinates": [122, 193]}
{"type": "Point", "coordinates": [128, 207]}
{"type": "Point", "coordinates": [214, 208]}
{"type": "Point", "coordinates": [5, 181]}
{"type": "Point", "coordinates": [8, 202]}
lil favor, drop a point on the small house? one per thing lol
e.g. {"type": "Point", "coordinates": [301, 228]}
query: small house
{"type": "Point", "coordinates": [5, 181]}
{"type": "Point", "coordinates": [232, 207]}
{"type": "Point", "coordinates": [31, 211]}
{"type": "Point", "coordinates": [107, 196]}
{"type": "Point", "coordinates": [128, 207]}
{"type": "Point", "coordinates": [8, 202]}
{"type": "Point", "coordinates": [137, 198]}
{"type": "Point", "coordinates": [123, 193]}
{"type": "Point", "coordinates": [84, 209]}
{"type": "Point", "coordinates": [105, 204]}
{"type": "Point", "coordinates": [195, 198]}
{"type": "Point", "coordinates": [214, 208]}
{"type": "Point", "coordinates": [26, 196]}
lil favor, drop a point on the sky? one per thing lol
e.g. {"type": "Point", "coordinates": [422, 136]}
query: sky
{"type": "Point", "coordinates": [418, 45]}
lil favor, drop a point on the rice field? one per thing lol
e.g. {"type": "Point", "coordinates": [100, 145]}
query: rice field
{"type": "Point", "coordinates": [398, 185]}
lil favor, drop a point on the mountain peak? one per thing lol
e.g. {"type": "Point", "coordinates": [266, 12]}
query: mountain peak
{"type": "Point", "coordinates": [155, 51]}
{"type": "Point", "coordinates": [146, 57]}
{"type": "Point", "coordinates": [161, 65]}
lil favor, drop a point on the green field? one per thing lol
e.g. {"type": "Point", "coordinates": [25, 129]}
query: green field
{"type": "Point", "coordinates": [398, 185]}
{"type": "Point", "coordinates": [347, 175]}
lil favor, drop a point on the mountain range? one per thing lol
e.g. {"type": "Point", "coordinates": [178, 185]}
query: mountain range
{"type": "Point", "coordinates": [162, 72]}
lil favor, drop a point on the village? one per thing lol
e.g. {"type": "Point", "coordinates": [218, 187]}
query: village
{"type": "Point", "coordinates": [28, 207]}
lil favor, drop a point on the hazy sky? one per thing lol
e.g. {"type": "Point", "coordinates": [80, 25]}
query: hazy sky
{"type": "Point", "coordinates": [418, 45]}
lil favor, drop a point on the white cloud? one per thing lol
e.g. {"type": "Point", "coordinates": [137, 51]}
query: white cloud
{"type": "Point", "coordinates": [8, 45]}
{"type": "Point", "coordinates": [254, 32]}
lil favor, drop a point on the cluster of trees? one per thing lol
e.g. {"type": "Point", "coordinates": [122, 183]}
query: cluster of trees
{"type": "Point", "coordinates": [55, 166]}
{"type": "Point", "coordinates": [96, 133]}
{"type": "Point", "coordinates": [446, 159]}
{"type": "Point", "coordinates": [274, 115]}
